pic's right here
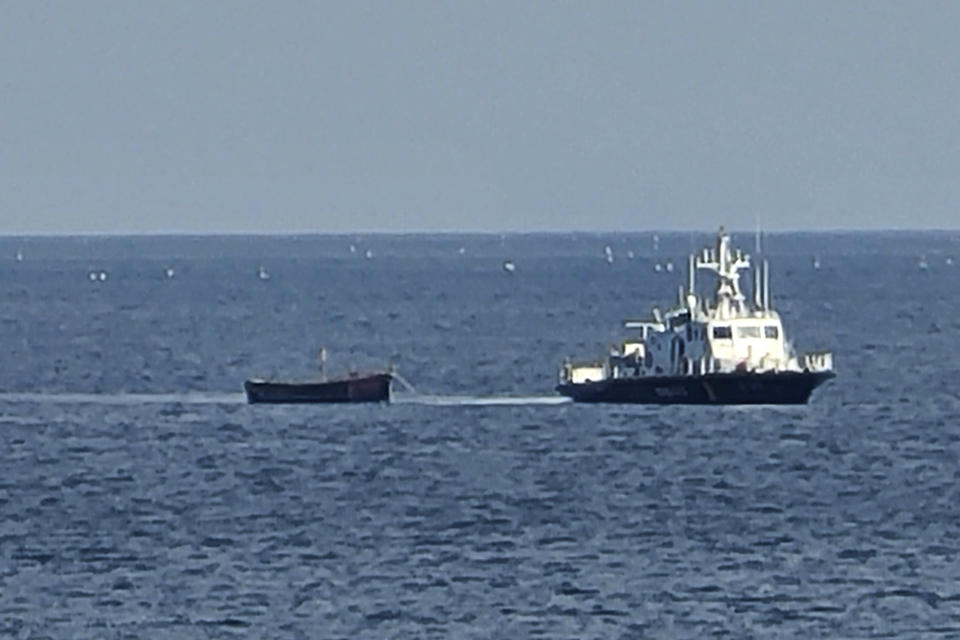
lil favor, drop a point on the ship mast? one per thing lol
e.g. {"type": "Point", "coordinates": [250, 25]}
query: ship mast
{"type": "Point", "coordinates": [726, 264]}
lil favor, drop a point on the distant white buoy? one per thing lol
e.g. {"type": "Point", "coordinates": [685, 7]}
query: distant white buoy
{"type": "Point", "coordinates": [658, 267]}
{"type": "Point", "coordinates": [669, 267]}
{"type": "Point", "coordinates": [168, 273]}
{"type": "Point", "coordinates": [630, 255]}
{"type": "Point", "coordinates": [368, 254]}
{"type": "Point", "coordinates": [508, 266]}
{"type": "Point", "coordinates": [816, 262]}
{"type": "Point", "coordinates": [922, 265]}
{"type": "Point", "coordinates": [463, 250]}
{"type": "Point", "coordinates": [353, 249]}
{"type": "Point", "coordinates": [102, 276]}
{"type": "Point", "coordinates": [656, 242]}
{"type": "Point", "coordinates": [262, 273]}
{"type": "Point", "coordinates": [93, 276]}
{"type": "Point", "coordinates": [948, 261]}
{"type": "Point", "coordinates": [19, 256]}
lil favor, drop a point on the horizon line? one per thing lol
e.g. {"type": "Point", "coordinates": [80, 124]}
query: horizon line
{"type": "Point", "coordinates": [452, 232]}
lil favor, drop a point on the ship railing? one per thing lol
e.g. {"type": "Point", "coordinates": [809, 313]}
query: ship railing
{"type": "Point", "coordinates": [702, 366]}
{"type": "Point", "coordinates": [818, 361]}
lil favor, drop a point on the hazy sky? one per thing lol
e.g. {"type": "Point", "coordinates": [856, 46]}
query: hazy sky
{"type": "Point", "coordinates": [236, 116]}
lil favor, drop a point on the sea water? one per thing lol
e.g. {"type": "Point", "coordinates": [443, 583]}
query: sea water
{"type": "Point", "coordinates": [141, 497]}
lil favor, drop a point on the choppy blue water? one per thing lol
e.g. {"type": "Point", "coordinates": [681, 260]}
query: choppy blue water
{"type": "Point", "coordinates": [141, 497]}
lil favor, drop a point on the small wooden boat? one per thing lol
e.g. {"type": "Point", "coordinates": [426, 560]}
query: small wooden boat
{"type": "Point", "coordinates": [356, 387]}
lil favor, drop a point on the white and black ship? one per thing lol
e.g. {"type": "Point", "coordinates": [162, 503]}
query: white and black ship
{"type": "Point", "coordinates": [727, 350]}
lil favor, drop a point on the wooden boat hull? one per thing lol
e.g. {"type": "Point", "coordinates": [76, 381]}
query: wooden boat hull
{"type": "Point", "coordinates": [362, 388]}
{"type": "Point", "coordinates": [785, 387]}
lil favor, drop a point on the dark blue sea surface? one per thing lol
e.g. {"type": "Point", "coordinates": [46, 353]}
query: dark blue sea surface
{"type": "Point", "coordinates": [141, 498]}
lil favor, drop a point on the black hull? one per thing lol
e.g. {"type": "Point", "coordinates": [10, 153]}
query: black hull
{"type": "Point", "coordinates": [788, 387]}
{"type": "Point", "coordinates": [367, 388]}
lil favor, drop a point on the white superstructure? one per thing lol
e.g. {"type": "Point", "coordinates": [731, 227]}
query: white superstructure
{"type": "Point", "coordinates": [725, 334]}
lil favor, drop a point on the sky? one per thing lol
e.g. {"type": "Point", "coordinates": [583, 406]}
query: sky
{"type": "Point", "coordinates": [419, 116]}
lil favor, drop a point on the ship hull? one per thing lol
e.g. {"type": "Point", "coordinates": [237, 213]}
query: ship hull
{"type": "Point", "coordinates": [787, 387]}
{"type": "Point", "coordinates": [367, 388]}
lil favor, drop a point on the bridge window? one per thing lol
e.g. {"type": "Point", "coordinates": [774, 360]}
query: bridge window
{"type": "Point", "coordinates": [722, 332]}
{"type": "Point", "coordinates": [771, 331]}
{"type": "Point", "coordinates": [748, 332]}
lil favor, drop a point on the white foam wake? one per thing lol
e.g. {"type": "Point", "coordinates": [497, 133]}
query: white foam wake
{"type": "Point", "coordinates": [478, 401]}
{"type": "Point", "coordinates": [198, 397]}
{"type": "Point", "coordinates": [212, 397]}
